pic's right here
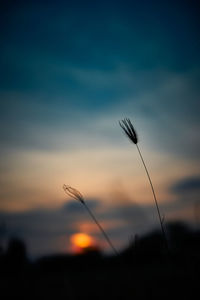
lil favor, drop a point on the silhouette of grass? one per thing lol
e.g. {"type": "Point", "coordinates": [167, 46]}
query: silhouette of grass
{"type": "Point", "coordinates": [72, 192]}
{"type": "Point", "coordinates": [129, 130]}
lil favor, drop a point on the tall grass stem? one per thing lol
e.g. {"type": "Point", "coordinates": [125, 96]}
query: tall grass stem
{"type": "Point", "coordinates": [130, 132]}
{"type": "Point", "coordinates": [72, 192]}
{"type": "Point", "coordinates": [154, 196]}
{"type": "Point", "coordinates": [101, 228]}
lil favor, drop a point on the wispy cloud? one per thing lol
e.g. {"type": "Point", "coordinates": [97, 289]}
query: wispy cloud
{"type": "Point", "coordinates": [187, 185]}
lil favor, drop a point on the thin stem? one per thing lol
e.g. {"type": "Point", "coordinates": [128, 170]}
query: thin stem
{"type": "Point", "coordinates": [101, 229]}
{"type": "Point", "coordinates": [154, 195]}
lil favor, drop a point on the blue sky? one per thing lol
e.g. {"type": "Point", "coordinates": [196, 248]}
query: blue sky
{"type": "Point", "coordinates": [69, 72]}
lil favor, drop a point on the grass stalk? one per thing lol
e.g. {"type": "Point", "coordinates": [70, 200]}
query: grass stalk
{"type": "Point", "coordinates": [155, 199]}
{"type": "Point", "coordinates": [129, 130]}
{"type": "Point", "coordinates": [78, 196]}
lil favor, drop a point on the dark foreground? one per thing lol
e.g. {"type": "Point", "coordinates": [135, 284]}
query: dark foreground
{"type": "Point", "coordinates": [142, 271]}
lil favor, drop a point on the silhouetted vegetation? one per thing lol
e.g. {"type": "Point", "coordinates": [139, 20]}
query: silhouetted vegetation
{"type": "Point", "coordinates": [78, 196]}
{"type": "Point", "coordinates": [130, 132]}
{"type": "Point", "coordinates": [141, 271]}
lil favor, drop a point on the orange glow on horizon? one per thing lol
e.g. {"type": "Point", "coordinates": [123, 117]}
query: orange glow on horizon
{"type": "Point", "coordinates": [81, 241]}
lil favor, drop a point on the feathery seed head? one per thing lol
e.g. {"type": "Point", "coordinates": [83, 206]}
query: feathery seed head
{"type": "Point", "coordinates": [73, 193]}
{"type": "Point", "coordinates": [129, 130]}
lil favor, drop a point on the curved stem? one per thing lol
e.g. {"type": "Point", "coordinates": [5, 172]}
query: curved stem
{"type": "Point", "coordinates": [155, 199]}
{"type": "Point", "coordinates": [101, 228]}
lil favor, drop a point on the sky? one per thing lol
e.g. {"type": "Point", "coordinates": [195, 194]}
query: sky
{"type": "Point", "coordinates": [70, 70]}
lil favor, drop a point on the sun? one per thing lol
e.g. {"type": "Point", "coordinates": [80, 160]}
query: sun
{"type": "Point", "coordinates": [81, 242]}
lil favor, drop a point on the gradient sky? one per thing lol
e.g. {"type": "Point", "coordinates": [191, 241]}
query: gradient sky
{"type": "Point", "coordinates": [70, 70]}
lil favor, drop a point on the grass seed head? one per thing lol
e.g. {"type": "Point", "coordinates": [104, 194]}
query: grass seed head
{"type": "Point", "coordinates": [73, 193]}
{"type": "Point", "coordinates": [129, 130]}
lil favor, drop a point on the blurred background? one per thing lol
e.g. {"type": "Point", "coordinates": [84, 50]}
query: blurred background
{"type": "Point", "coordinates": [70, 70]}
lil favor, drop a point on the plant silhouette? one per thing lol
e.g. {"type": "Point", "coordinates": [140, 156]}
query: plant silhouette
{"type": "Point", "coordinates": [72, 192]}
{"type": "Point", "coordinates": [129, 130]}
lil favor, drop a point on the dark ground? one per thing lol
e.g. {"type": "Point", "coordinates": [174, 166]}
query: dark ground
{"type": "Point", "coordinates": [142, 271]}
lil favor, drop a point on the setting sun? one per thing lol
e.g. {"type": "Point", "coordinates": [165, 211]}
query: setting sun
{"type": "Point", "coordinates": [81, 240]}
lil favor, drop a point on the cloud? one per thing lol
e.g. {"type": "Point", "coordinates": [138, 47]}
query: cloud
{"type": "Point", "coordinates": [185, 203]}
{"type": "Point", "coordinates": [48, 230]}
{"type": "Point", "coordinates": [43, 229]}
{"type": "Point", "coordinates": [76, 207]}
{"type": "Point", "coordinates": [187, 185]}
{"type": "Point", "coordinates": [149, 97]}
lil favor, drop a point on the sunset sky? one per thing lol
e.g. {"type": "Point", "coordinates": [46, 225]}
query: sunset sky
{"type": "Point", "coordinates": [70, 70]}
